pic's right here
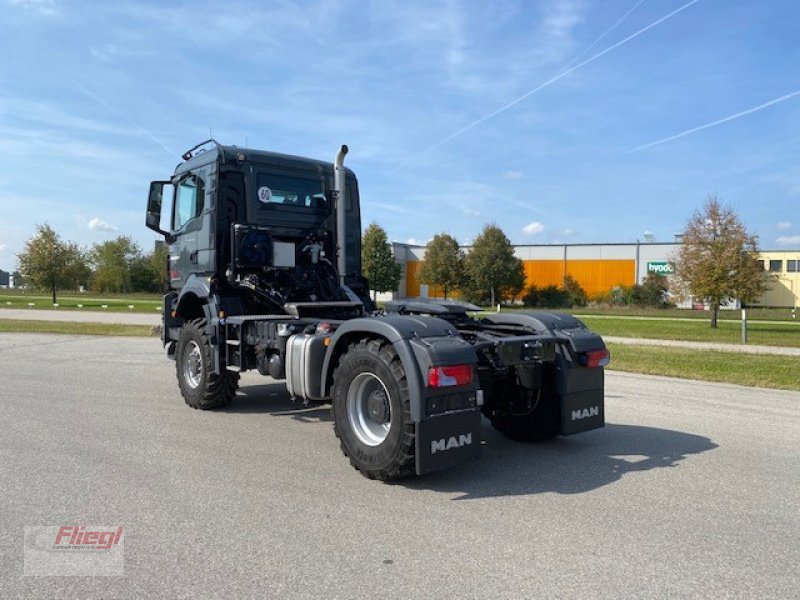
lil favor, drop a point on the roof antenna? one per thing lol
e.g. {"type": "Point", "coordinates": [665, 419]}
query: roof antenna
{"type": "Point", "coordinates": [245, 142]}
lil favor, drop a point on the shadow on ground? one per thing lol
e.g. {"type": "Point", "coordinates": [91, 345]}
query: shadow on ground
{"type": "Point", "coordinates": [273, 399]}
{"type": "Point", "coordinates": [569, 465]}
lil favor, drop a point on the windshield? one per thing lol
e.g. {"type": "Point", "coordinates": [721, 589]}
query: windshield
{"type": "Point", "coordinates": [294, 192]}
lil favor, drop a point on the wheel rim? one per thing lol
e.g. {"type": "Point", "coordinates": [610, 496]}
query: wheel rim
{"type": "Point", "coordinates": [369, 409]}
{"type": "Point", "coordinates": [192, 364]}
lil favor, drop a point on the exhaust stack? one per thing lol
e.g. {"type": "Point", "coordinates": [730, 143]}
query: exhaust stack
{"type": "Point", "coordinates": [339, 186]}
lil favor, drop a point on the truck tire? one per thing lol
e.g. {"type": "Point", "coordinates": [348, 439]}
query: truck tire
{"type": "Point", "coordinates": [371, 411]}
{"type": "Point", "coordinates": [535, 425]}
{"type": "Point", "coordinates": [200, 387]}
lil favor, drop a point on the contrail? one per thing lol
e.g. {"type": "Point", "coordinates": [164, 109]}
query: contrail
{"type": "Point", "coordinates": [100, 100]}
{"type": "Point", "coordinates": [715, 123]}
{"type": "Point", "coordinates": [619, 22]}
{"type": "Point", "coordinates": [560, 76]}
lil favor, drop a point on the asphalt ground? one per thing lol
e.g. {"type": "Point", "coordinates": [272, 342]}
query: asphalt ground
{"type": "Point", "coordinates": [691, 490]}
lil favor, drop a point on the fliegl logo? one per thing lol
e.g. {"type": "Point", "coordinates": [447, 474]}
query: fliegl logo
{"type": "Point", "coordinates": [78, 537]}
{"type": "Point", "coordinates": [82, 550]}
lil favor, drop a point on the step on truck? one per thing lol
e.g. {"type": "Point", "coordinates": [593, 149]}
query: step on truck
{"type": "Point", "coordinates": [264, 273]}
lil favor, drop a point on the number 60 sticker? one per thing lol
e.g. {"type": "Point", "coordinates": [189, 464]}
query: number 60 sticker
{"type": "Point", "coordinates": [264, 194]}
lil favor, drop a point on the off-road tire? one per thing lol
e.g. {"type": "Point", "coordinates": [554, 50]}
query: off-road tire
{"type": "Point", "coordinates": [212, 391]}
{"type": "Point", "coordinates": [394, 457]}
{"type": "Point", "coordinates": [542, 423]}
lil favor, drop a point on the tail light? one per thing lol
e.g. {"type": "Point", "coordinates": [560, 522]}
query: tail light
{"type": "Point", "coordinates": [452, 375]}
{"type": "Point", "coordinates": [596, 358]}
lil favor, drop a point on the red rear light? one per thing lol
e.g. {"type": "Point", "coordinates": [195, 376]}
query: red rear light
{"type": "Point", "coordinates": [596, 358]}
{"type": "Point", "coordinates": [452, 375]}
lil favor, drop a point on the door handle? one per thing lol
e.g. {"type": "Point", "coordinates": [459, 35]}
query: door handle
{"type": "Point", "coordinates": [193, 257]}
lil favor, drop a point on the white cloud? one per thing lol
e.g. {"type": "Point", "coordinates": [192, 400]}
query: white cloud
{"type": "Point", "coordinates": [788, 240]}
{"type": "Point", "coordinates": [512, 175]}
{"type": "Point", "coordinates": [2, 247]}
{"type": "Point", "coordinates": [533, 228]}
{"type": "Point", "coordinates": [43, 7]}
{"type": "Point", "coordinates": [97, 224]}
{"type": "Point", "coordinates": [568, 232]}
{"type": "Point", "coordinates": [416, 242]}
{"type": "Point", "coordinates": [783, 225]}
{"type": "Point", "coordinates": [471, 212]}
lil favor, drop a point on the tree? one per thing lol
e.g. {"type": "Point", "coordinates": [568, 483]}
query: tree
{"type": "Point", "coordinates": [77, 271]}
{"type": "Point", "coordinates": [718, 260]}
{"type": "Point", "coordinates": [112, 261]}
{"type": "Point", "coordinates": [444, 263]}
{"type": "Point", "coordinates": [492, 267]}
{"type": "Point", "coordinates": [148, 271]}
{"type": "Point", "coordinates": [377, 261]}
{"type": "Point", "coordinates": [44, 260]}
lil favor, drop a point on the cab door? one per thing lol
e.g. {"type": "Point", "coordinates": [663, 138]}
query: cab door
{"type": "Point", "coordinates": [187, 228]}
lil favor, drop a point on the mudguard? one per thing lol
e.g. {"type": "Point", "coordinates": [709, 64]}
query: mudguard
{"type": "Point", "coordinates": [580, 389]}
{"type": "Point", "coordinates": [198, 289]}
{"type": "Point", "coordinates": [421, 342]}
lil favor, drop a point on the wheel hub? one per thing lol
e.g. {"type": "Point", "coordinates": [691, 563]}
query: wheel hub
{"type": "Point", "coordinates": [192, 365]}
{"type": "Point", "coordinates": [369, 409]}
{"type": "Point", "coordinates": [378, 406]}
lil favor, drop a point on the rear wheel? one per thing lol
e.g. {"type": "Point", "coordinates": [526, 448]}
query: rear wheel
{"type": "Point", "coordinates": [199, 385]}
{"type": "Point", "coordinates": [371, 411]}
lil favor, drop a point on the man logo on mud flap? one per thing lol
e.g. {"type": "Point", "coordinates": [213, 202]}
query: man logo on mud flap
{"type": "Point", "coordinates": [465, 439]}
{"type": "Point", "coordinates": [592, 411]}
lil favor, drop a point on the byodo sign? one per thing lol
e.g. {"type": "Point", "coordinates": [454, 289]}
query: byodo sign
{"type": "Point", "coordinates": [662, 267]}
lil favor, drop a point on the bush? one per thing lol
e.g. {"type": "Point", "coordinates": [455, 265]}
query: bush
{"type": "Point", "coordinates": [576, 295]}
{"type": "Point", "coordinates": [653, 291]}
{"type": "Point", "coordinates": [547, 297]}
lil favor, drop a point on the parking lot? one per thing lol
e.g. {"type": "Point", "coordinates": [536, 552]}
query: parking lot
{"type": "Point", "coordinates": [691, 490]}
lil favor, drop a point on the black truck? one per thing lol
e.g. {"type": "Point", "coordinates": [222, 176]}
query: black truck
{"type": "Point", "coordinates": [264, 273]}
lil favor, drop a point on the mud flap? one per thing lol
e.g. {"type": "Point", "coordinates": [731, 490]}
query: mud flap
{"type": "Point", "coordinates": [448, 440]}
{"type": "Point", "coordinates": [582, 411]}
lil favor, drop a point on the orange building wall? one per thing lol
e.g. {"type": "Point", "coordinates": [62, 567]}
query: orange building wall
{"type": "Point", "coordinates": [595, 276]}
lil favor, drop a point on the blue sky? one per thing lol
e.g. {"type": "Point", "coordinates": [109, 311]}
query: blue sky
{"type": "Point", "coordinates": [97, 99]}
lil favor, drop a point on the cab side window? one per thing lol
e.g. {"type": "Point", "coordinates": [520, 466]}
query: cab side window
{"type": "Point", "coordinates": [189, 199]}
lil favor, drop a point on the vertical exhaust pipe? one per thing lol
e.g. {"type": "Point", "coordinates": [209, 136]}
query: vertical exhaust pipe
{"type": "Point", "coordinates": [339, 186]}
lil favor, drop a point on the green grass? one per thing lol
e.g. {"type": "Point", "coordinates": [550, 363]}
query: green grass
{"type": "Point", "coordinates": [753, 314]}
{"type": "Point", "coordinates": [142, 303]}
{"type": "Point", "coordinates": [778, 372]}
{"type": "Point", "coordinates": [65, 327]}
{"type": "Point", "coordinates": [728, 331]}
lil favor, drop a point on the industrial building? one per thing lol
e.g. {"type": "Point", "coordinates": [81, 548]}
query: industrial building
{"type": "Point", "coordinates": [599, 268]}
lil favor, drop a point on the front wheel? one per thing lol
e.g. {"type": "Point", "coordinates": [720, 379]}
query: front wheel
{"type": "Point", "coordinates": [199, 385]}
{"type": "Point", "coordinates": [371, 411]}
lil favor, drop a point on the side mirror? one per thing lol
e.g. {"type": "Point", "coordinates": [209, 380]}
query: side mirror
{"type": "Point", "coordinates": [155, 203]}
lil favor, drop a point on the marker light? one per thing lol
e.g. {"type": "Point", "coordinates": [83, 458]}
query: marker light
{"type": "Point", "coordinates": [451, 375]}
